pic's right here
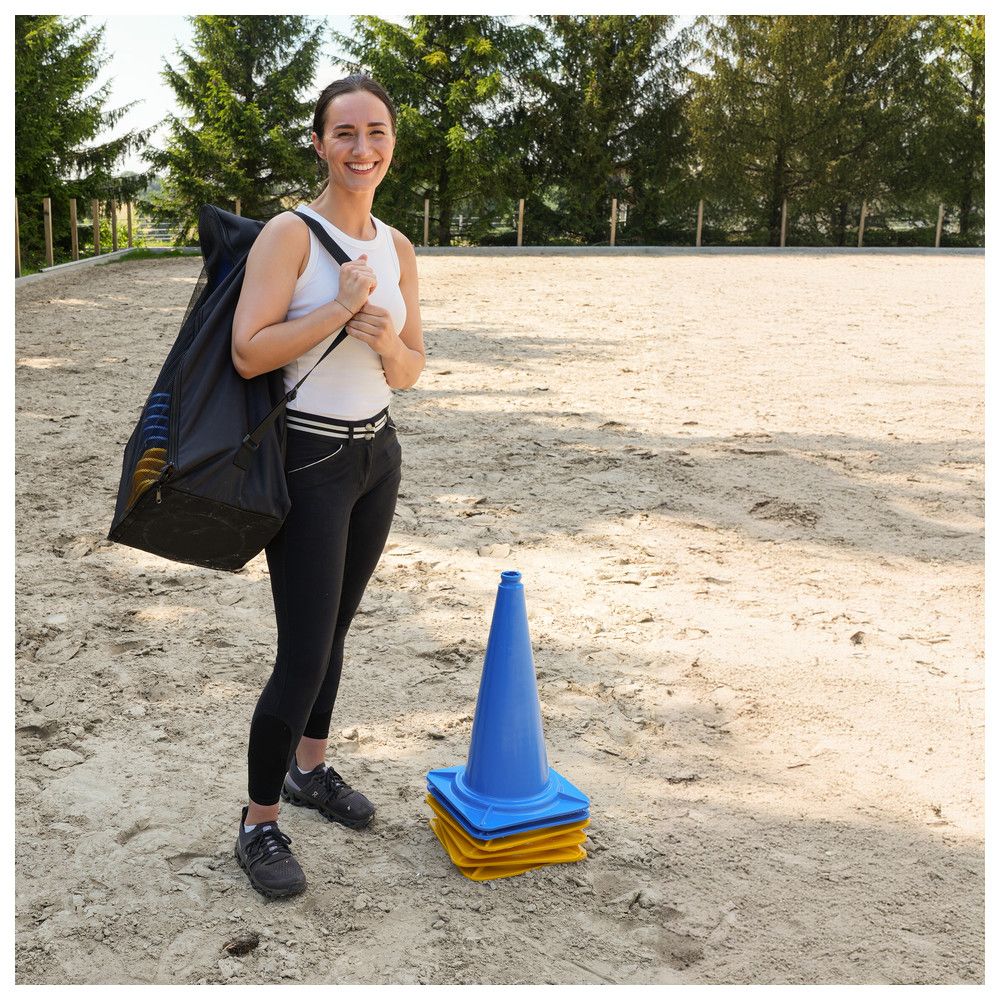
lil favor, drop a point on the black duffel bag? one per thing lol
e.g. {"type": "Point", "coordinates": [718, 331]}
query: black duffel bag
{"type": "Point", "coordinates": [203, 476]}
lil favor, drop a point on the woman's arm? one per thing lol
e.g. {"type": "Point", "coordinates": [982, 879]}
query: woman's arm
{"type": "Point", "coordinates": [404, 360]}
{"type": "Point", "coordinates": [262, 340]}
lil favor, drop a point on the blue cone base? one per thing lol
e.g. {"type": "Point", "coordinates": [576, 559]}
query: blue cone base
{"type": "Point", "coordinates": [507, 831]}
{"type": "Point", "coordinates": [559, 802]}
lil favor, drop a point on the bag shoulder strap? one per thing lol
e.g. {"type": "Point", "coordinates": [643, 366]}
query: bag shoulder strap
{"type": "Point", "coordinates": [251, 441]}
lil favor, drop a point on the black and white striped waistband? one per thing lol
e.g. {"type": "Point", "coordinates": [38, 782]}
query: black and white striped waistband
{"type": "Point", "coordinates": [317, 423]}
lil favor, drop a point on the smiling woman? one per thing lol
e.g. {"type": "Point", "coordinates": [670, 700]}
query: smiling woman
{"type": "Point", "coordinates": [343, 460]}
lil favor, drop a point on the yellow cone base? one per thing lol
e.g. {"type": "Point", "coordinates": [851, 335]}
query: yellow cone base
{"type": "Point", "coordinates": [504, 856]}
{"type": "Point", "coordinates": [147, 471]}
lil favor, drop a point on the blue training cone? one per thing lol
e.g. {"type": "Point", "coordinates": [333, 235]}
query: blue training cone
{"type": "Point", "coordinates": [507, 784]}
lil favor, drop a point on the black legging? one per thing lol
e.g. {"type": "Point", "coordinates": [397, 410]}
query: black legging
{"type": "Point", "coordinates": [343, 498]}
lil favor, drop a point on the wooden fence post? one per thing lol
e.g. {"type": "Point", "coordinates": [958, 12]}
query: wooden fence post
{"type": "Point", "coordinates": [17, 243]}
{"type": "Point", "coordinates": [861, 224]}
{"type": "Point", "coordinates": [128, 209]}
{"type": "Point", "coordinates": [614, 219]}
{"type": "Point", "coordinates": [74, 236]}
{"type": "Point", "coordinates": [701, 207]}
{"type": "Point", "coordinates": [114, 225]}
{"type": "Point", "coordinates": [47, 217]}
{"type": "Point", "coordinates": [520, 220]}
{"type": "Point", "coordinates": [239, 207]}
{"type": "Point", "coordinates": [784, 219]}
{"type": "Point", "coordinates": [937, 235]}
{"type": "Point", "coordinates": [95, 210]}
{"type": "Point", "coordinates": [427, 220]}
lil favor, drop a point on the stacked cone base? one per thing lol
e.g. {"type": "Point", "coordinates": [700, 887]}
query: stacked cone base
{"type": "Point", "coordinates": [501, 857]}
{"type": "Point", "coordinates": [481, 833]}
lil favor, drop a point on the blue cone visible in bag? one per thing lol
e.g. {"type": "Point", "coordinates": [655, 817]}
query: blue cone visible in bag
{"type": "Point", "coordinates": [507, 783]}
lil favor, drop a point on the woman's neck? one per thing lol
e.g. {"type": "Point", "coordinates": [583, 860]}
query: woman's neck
{"type": "Point", "coordinates": [349, 213]}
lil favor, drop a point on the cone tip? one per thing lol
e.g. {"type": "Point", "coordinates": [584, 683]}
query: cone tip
{"type": "Point", "coordinates": [510, 577]}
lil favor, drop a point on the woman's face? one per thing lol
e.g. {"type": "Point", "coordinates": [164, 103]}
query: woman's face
{"type": "Point", "coordinates": [357, 141]}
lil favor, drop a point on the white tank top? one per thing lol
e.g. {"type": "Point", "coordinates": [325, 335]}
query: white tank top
{"type": "Point", "coordinates": [350, 384]}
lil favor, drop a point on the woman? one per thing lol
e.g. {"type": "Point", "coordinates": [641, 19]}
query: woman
{"type": "Point", "coordinates": [342, 461]}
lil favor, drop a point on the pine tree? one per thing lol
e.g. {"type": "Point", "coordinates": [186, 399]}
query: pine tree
{"type": "Point", "coordinates": [820, 110]}
{"type": "Point", "coordinates": [450, 78]}
{"type": "Point", "coordinates": [56, 124]}
{"type": "Point", "coordinates": [610, 121]}
{"type": "Point", "coordinates": [246, 131]}
{"type": "Point", "coordinates": [952, 153]}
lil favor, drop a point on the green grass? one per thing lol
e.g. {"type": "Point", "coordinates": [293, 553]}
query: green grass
{"type": "Point", "coordinates": [146, 255]}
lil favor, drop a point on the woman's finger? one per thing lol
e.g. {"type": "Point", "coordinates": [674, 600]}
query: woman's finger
{"type": "Point", "coordinates": [361, 324]}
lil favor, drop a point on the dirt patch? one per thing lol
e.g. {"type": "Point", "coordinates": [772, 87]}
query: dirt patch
{"type": "Point", "coordinates": [714, 473]}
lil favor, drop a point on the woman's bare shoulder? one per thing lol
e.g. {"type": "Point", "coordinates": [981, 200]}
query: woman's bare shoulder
{"type": "Point", "coordinates": [404, 248]}
{"type": "Point", "coordinates": [286, 226]}
{"type": "Point", "coordinates": [284, 236]}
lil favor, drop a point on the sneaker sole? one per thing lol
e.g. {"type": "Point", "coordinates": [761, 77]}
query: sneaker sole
{"type": "Point", "coordinates": [264, 890]}
{"type": "Point", "coordinates": [300, 800]}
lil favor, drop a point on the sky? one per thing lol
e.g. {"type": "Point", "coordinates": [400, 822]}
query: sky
{"type": "Point", "coordinates": [137, 46]}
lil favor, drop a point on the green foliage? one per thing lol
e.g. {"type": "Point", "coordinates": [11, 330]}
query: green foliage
{"type": "Point", "coordinates": [949, 156]}
{"type": "Point", "coordinates": [144, 254]}
{"type": "Point", "coordinates": [830, 111]}
{"type": "Point", "coordinates": [56, 122]}
{"type": "Point", "coordinates": [450, 77]}
{"type": "Point", "coordinates": [246, 131]}
{"type": "Point", "coordinates": [748, 112]}
{"type": "Point", "coordinates": [605, 120]}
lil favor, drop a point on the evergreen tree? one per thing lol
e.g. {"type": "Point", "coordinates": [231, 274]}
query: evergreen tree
{"type": "Point", "coordinates": [246, 131]}
{"type": "Point", "coordinates": [610, 122]}
{"type": "Point", "coordinates": [450, 78]}
{"type": "Point", "coordinates": [820, 110]}
{"type": "Point", "coordinates": [952, 149]}
{"type": "Point", "coordinates": [56, 122]}
{"type": "Point", "coordinates": [866, 145]}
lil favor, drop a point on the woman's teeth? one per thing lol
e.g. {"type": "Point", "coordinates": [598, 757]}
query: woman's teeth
{"type": "Point", "coordinates": [361, 168]}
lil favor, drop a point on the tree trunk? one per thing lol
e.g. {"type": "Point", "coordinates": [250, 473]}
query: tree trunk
{"type": "Point", "coordinates": [838, 224]}
{"type": "Point", "coordinates": [444, 207]}
{"type": "Point", "coordinates": [777, 196]}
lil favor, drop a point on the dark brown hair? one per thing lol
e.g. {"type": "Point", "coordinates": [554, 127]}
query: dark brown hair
{"type": "Point", "coordinates": [348, 85]}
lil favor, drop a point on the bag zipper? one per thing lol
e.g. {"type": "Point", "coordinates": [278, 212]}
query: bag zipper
{"type": "Point", "coordinates": [165, 474]}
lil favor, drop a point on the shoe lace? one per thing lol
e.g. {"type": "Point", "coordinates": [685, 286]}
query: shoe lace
{"type": "Point", "coordinates": [270, 843]}
{"type": "Point", "coordinates": [335, 783]}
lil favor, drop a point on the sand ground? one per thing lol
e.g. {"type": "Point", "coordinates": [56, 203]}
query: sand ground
{"type": "Point", "coordinates": [747, 498]}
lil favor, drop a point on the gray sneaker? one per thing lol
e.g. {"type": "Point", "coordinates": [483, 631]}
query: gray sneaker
{"type": "Point", "coordinates": [264, 855]}
{"type": "Point", "coordinates": [326, 791]}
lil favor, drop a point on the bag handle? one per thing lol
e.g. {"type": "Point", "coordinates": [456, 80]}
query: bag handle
{"type": "Point", "coordinates": [252, 440]}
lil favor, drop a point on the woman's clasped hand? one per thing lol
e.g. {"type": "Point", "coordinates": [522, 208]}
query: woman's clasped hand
{"type": "Point", "coordinates": [373, 326]}
{"type": "Point", "coordinates": [357, 282]}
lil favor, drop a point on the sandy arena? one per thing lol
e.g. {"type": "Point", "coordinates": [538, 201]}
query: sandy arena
{"type": "Point", "coordinates": [746, 495]}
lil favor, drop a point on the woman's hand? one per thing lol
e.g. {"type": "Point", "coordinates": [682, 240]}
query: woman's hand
{"type": "Point", "coordinates": [373, 326]}
{"type": "Point", "coordinates": [357, 282]}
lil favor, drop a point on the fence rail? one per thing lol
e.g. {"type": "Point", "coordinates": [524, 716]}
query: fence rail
{"type": "Point", "coordinates": [620, 212]}
{"type": "Point", "coordinates": [159, 233]}
{"type": "Point", "coordinates": [143, 232]}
